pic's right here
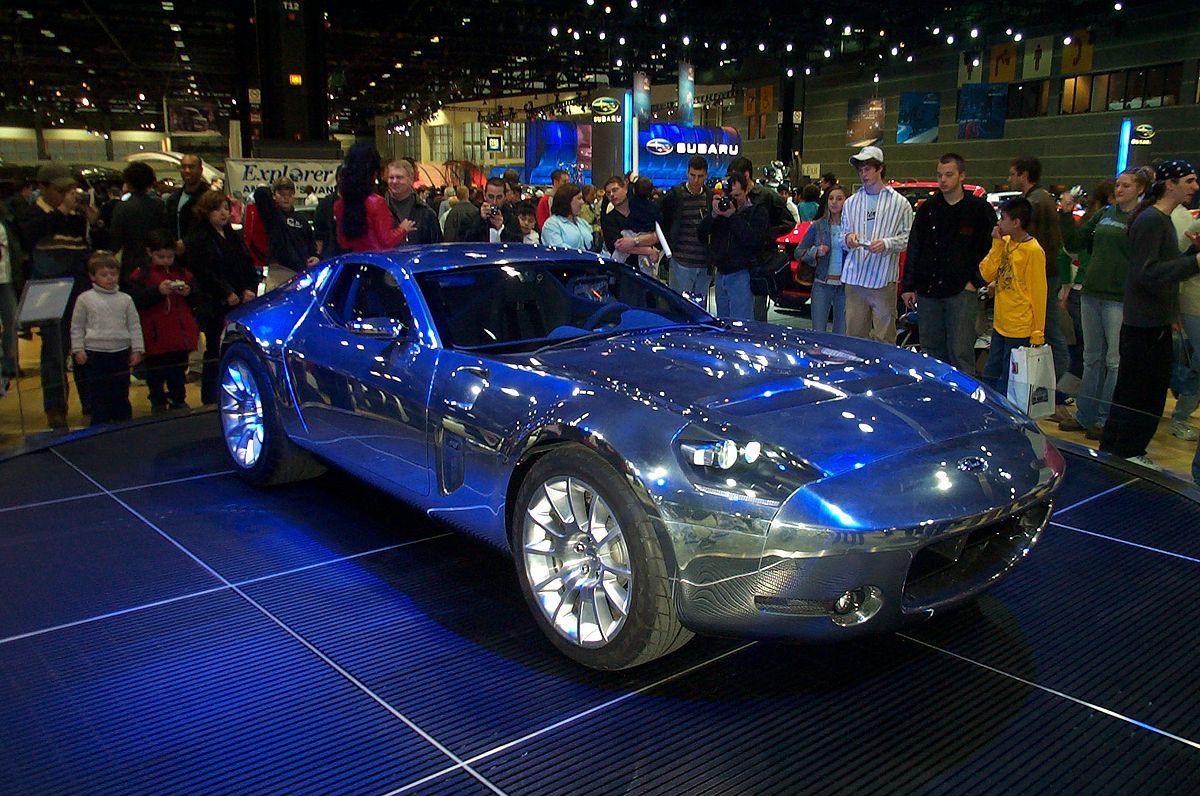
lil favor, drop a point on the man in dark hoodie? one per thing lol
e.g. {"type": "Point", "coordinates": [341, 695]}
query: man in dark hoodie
{"type": "Point", "coordinates": [291, 246]}
{"type": "Point", "coordinates": [950, 236]}
{"type": "Point", "coordinates": [180, 218]}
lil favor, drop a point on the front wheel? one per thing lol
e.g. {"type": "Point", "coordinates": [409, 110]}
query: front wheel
{"type": "Point", "coordinates": [590, 564]}
{"type": "Point", "coordinates": [254, 436]}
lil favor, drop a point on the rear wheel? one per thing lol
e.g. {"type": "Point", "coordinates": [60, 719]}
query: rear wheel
{"type": "Point", "coordinates": [254, 436]}
{"type": "Point", "coordinates": [590, 564]}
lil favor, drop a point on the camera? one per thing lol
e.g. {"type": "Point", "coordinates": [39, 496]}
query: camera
{"type": "Point", "coordinates": [176, 284]}
{"type": "Point", "coordinates": [493, 211]}
{"type": "Point", "coordinates": [724, 203]}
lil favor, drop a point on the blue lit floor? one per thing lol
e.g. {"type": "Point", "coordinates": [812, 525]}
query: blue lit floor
{"type": "Point", "coordinates": [167, 629]}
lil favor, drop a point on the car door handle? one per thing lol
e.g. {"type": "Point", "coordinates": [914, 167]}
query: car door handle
{"type": "Point", "coordinates": [478, 371]}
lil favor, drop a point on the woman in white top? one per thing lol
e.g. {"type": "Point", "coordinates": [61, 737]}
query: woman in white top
{"type": "Point", "coordinates": [564, 227]}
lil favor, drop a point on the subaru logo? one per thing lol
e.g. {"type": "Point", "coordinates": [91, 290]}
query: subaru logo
{"type": "Point", "coordinates": [659, 146]}
{"type": "Point", "coordinates": [605, 106]}
{"type": "Point", "coordinates": [973, 464]}
{"type": "Point", "coordinates": [1145, 130]}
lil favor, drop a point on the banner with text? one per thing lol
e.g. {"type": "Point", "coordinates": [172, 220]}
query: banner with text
{"type": "Point", "coordinates": [243, 175]}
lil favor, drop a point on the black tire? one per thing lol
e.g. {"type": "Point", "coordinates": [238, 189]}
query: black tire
{"type": "Point", "coordinates": [651, 627]}
{"type": "Point", "coordinates": [279, 460]}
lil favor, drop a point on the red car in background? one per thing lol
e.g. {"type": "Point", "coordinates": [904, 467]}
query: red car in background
{"type": "Point", "coordinates": [797, 293]}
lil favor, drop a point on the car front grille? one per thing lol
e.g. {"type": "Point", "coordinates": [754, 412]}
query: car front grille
{"type": "Point", "coordinates": [968, 561]}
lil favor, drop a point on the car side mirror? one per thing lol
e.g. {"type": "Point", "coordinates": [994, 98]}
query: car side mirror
{"type": "Point", "coordinates": [383, 328]}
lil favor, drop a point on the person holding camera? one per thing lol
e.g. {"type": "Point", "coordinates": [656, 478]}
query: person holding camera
{"type": "Point", "coordinates": [779, 222]}
{"type": "Point", "coordinates": [733, 232]}
{"type": "Point", "coordinates": [161, 291]}
{"type": "Point", "coordinates": [495, 222]}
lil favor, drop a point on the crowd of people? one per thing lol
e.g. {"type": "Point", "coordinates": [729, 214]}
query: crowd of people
{"type": "Point", "coordinates": [1103, 292]}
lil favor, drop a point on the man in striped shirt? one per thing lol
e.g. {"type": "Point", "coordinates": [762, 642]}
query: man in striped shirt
{"type": "Point", "coordinates": [875, 221]}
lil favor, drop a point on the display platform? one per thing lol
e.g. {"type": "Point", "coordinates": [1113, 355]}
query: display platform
{"type": "Point", "coordinates": [165, 628]}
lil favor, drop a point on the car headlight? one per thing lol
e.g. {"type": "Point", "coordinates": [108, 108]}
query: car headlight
{"type": "Point", "coordinates": [722, 461]}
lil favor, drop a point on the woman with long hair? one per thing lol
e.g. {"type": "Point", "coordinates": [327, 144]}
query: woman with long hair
{"type": "Point", "coordinates": [565, 227]}
{"type": "Point", "coordinates": [1156, 267]}
{"type": "Point", "coordinates": [1102, 298]}
{"type": "Point", "coordinates": [221, 264]}
{"type": "Point", "coordinates": [361, 215]}
{"type": "Point", "coordinates": [817, 249]}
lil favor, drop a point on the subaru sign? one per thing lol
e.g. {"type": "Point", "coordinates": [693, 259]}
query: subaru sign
{"type": "Point", "coordinates": [659, 146]}
{"type": "Point", "coordinates": [605, 106]}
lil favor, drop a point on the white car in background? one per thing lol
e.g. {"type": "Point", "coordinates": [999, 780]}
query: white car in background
{"type": "Point", "coordinates": [166, 165]}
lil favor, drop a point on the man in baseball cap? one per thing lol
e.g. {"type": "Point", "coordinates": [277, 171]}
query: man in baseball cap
{"type": "Point", "coordinates": [291, 246]}
{"type": "Point", "coordinates": [875, 222]}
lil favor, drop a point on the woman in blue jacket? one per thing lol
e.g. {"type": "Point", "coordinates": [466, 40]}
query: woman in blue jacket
{"type": "Point", "coordinates": [817, 249]}
{"type": "Point", "coordinates": [564, 227]}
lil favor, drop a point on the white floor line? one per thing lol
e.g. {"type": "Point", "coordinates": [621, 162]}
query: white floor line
{"type": "Point", "coordinates": [383, 703]}
{"type": "Point", "coordinates": [192, 595]}
{"type": "Point", "coordinates": [1079, 503]}
{"type": "Point", "coordinates": [116, 491]}
{"type": "Point", "coordinates": [1048, 690]}
{"type": "Point", "coordinates": [571, 719]}
{"type": "Point", "coordinates": [1127, 542]}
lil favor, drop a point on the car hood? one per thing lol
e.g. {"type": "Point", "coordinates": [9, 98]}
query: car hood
{"type": "Point", "coordinates": [838, 402]}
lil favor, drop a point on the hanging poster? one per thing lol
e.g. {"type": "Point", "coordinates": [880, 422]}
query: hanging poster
{"type": "Point", "coordinates": [766, 99]}
{"type": "Point", "coordinates": [687, 93]}
{"type": "Point", "coordinates": [981, 110]}
{"type": "Point", "coordinates": [1002, 66]}
{"type": "Point", "coordinates": [1037, 58]}
{"type": "Point", "coordinates": [750, 101]}
{"type": "Point", "coordinates": [864, 121]}
{"type": "Point", "coordinates": [918, 120]}
{"type": "Point", "coordinates": [641, 97]}
{"type": "Point", "coordinates": [970, 67]}
{"type": "Point", "coordinates": [1077, 56]}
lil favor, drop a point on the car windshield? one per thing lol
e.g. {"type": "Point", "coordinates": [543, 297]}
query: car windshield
{"type": "Point", "coordinates": [529, 305]}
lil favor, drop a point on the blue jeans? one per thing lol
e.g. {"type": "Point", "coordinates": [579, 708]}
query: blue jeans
{"type": "Point", "coordinates": [1054, 336]}
{"type": "Point", "coordinates": [826, 297]}
{"type": "Point", "coordinates": [995, 372]}
{"type": "Point", "coordinates": [1101, 320]}
{"type": "Point", "coordinates": [734, 299]}
{"type": "Point", "coordinates": [686, 279]}
{"type": "Point", "coordinates": [947, 327]}
{"type": "Point", "coordinates": [1186, 404]}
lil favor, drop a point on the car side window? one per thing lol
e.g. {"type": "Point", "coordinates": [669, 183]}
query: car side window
{"type": "Point", "coordinates": [365, 291]}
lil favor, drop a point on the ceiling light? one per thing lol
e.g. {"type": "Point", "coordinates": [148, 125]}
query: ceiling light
{"type": "Point", "coordinates": [895, 51]}
{"type": "Point", "coordinates": [608, 9]}
{"type": "Point", "coordinates": [974, 33]}
{"type": "Point", "coordinates": [1018, 36]}
{"type": "Point", "coordinates": [828, 20]}
{"type": "Point", "coordinates": [398, 65]}
{"type": "Point", "coordinates": [1066, 41]}
{"type": "Point", "coordinates": [1118, 7]}
{"type": "Point", "coordinates": [49, 34]}
{"type": "Point", "coordinates": [846, 31]}
{"type": "Point", "coordinates": [434, 39]}
{"type": "Point", "coordinates": [175, 28]}
{"type": "Point", "coordinates": [788, 47]}
{"type": "Point", "coordinates": [808, 70]}
{"type": "Point", "coordinates": [64, 48]}
{"type": "Point", "coordinates": [575, 34]}
{"type": "Point", "coordinates": [184, 57]}
{"type": "Point", "coordinates": [828, 52]}
{"type": "Point", "coordinates": [936, 31]}
{"type": "Point", "coordinates": [179, 43]}
{"type": "Point", "coordinates": [141, 97]}
{"type": "Point", "coordinates": [633, 3]}
{"type": "Point", "coordinates": [591, 2]}
{"type": "Point", "coordinates": [168, 6]}
{"type": "Point", "coordinates": [686, 41]}
{"type": "Point", "coordinates": [621, 40]}
{"type": "Point", "coordinates": [790, 73]}
{"type": "Point", "coordinates": [618, 62]}
{"type": "Point", "coordinates": [909, 59]}
{"type": "Point", "coordinates": [723, 45]}
{"type": "Point", "coordinates": [950, 39]}
{"type": "Point", "coordinates": [553, 30]}
{"type": "Point", "coordinates": [762, 47]}
{"type": "Point", "coordinates": [602, 34]}
{"type": "Point", "coordinates": [876, 78]}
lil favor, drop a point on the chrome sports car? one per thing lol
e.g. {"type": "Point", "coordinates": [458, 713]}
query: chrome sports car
{"type": "Point", "coordinates": [653, 471]}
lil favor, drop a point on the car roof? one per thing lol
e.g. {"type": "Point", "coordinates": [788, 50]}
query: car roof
{"type": "Point", "coordinates": [446, 256]}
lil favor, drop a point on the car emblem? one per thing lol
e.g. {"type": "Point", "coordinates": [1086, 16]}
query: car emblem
{"type": "Point", "coordinates": [972, 464]}
{"type": "Point", "coordinates": [605, 106]}
{"type": "Point", "coordinates": [659, 146]}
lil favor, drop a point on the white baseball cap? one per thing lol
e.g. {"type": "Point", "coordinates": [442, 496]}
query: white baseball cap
{"type": "Point", "coordinates": [867, 153]}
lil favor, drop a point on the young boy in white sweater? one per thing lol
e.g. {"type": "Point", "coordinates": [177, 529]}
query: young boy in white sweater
{"type": "Point", "coordinates": [106, 340]}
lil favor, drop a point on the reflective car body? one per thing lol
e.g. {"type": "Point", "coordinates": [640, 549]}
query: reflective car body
{"type": "Point", "coordinates": [860, 469]}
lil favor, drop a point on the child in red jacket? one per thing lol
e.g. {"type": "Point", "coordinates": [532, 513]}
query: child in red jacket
{"type": "Point", "coordinates": [160, 292]}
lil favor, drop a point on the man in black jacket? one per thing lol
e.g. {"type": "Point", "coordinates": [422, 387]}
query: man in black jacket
{"type": "Point", "coordinates": [406, 204]}
{"type": "Point", "coordinates": [950, 236]}
{"type": "Point", "coordinates": [291, 246]}
{"type": "Point", "coordinates": [495, 220]}
{"type": "Point", "coordinates": [181, 221]}
{"type": "Point", "coordinates": [135, 218]}
{"type": "Point", "coordinates": [779, 223]}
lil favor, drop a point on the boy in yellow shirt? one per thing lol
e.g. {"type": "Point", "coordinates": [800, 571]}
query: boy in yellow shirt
{"type": "Point", "coordinates": [1017, 265]}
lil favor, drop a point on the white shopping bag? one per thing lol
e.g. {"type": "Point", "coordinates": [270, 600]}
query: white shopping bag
{"type": "Point", "coordinates": [1031, 380]}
